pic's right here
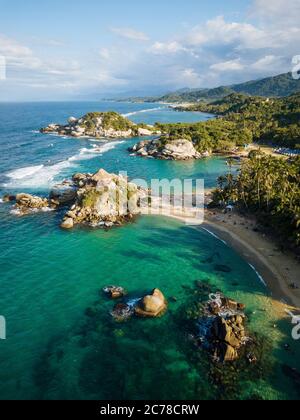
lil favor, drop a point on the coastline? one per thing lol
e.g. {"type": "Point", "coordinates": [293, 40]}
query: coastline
{"type": "Point", "coordinates": [276, 269]}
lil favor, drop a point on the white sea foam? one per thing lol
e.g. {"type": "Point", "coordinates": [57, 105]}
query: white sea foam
{"type": "Point", "coordinates": [1, 201]}
{"type": "Point", "coordinates": [35, 176]}
{"type": "Point", "coordinates": [24, 172]}
{"type": "Point", "coordinates": [89, 153]}
{"type": "Point", "coordinates": [258, 275]}
{"type": "Point", "coordinates": [143, 111]}
{"type": "Point", "coordinates": [44, 175]}
{"type": "Point", "coordinates": [214, 235]}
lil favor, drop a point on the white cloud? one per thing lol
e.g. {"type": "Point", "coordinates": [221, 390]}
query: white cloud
{"type": "Point", "coordinates": [232, 65]}
{"type": "Point", "coordinates": [130, 33]}
{"type": "Point", "coordinates": [172, 47]}
{"type": "Point", "coordinates": [283, 12]}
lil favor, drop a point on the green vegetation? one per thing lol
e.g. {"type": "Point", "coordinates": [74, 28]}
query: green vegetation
{"type": "Point", "coordinates": [277, 86]}
{"type": "Point", "coordinates": [268, 121]}
{"type": "Point", "coordinates": [270, 188]}
{"type": "Point", "coordinates": [109, 120]}
{"type": "Point", "coordinates": [90, 198]}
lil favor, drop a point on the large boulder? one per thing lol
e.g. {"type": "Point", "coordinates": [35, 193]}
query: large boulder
{"type": "Point", "coordinates": [152, 305]}
{"type": "Point", "coordinates": [63, 193]}
{"type": "Point", "coordinates": [167, 149]}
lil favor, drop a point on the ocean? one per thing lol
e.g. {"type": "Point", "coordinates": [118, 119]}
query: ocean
{"type": "Point", "coordinates": [61, 341]}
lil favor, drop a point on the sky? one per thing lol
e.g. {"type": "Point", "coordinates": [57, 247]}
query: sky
{"type": "Point", "coordinates": [93, 49]}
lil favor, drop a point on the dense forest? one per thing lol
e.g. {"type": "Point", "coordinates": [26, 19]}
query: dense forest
{"type": "Point", "coordinates": [242, 120]}
{"type": "Point", "coordinates": [270, 188]}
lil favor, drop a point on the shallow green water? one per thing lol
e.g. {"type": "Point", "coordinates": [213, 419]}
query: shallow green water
{"type": "Point", "coordinates": [55, 351]}
{"type": "Point", "coordinates": [55, 348]}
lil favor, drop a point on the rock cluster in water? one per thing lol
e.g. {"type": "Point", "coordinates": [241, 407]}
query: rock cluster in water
{"type": "Point", "coordinates": [100, 125]}
{"type": "Point", "coordinates": [150, 306]}
{"type": "Point", "coordinates": [99, 199]}
{"type": "Point", "coordinates": [222, 328]}
{"type": "Point", "coordinates": [167, 149]}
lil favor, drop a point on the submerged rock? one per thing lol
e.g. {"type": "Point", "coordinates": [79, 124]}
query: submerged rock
{"type": "Point", "coordinates": [152, 305]}
{"type": "Point", "coordinates": [122, 312]}
{"type": "Point", "coordinates": [167, 149]}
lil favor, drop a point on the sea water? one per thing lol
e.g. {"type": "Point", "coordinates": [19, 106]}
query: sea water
{"type": "Point", "coordinates": [61, 341]}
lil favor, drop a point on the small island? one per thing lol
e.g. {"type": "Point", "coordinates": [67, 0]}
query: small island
{"type": "Point", "coordinates": [99, 200]}
{"type": "Point", "coordinates": [109, 125]}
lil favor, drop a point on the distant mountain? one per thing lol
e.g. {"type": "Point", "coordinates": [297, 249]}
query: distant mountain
{"type": "Point", "coordinates": [277, 86]}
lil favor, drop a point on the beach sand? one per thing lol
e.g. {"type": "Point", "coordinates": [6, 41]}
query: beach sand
{"type": "Point", "coordinates": [279, 270]}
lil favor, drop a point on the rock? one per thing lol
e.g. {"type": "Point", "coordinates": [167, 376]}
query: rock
{"type": "Point", "coordinates": [152, 305]}
{"type": "Point", "coordinates": [122, 312]}
{"type": "Point", "coordinates": [99, 125]}
{"type": "Point", "coordinates": [72, 120]}
{"type": "Point", "coordinates": [63, 193]}
{"type": "Point", "coordinates": [167, 149]}
{"type": "Point", "coordinates": [223, 329]}
{"type": "Point", "coordinates": [26, 203]}
{"type": "Point", "coordinates": [114, 292]}
{"type": "Point", "coordinates": [144, 132]}
{"type": "Point", "coordinates": [7, 198]}
{"type": "Point", "coordinates": [223, 268]}
{"type": "Point", "coordinates": [67, 223]}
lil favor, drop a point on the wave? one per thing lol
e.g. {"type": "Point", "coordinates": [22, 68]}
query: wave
{"type": "Point", "coordinates": [89, 153]}
{"type": "Point", "coordinates": [214, 235]}
{"type": "Point", "coordinates": [143, 111]}
{"type": "Point", "coordinates": [35, 176]}
{"type": "Point", "coordinates": [258, 275]}
{"type": "Point", "coordinates": [44, 175]}
{"type": "Point", "coordinates": [24, 172]}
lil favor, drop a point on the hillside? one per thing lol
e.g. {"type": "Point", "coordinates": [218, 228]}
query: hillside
{"type": "Point", "coordinates": [242, 120]}
{"type": "Point", "coordinates": [277, 86]}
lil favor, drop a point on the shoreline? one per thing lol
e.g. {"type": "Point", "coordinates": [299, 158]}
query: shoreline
{"type": "Point", "coordinates": [276, 269]}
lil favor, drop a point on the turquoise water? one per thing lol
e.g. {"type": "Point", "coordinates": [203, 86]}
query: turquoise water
{"type": "Point", "coordinates": [61, 341]}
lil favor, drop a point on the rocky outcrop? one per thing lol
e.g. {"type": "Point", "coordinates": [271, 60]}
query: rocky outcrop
{"type": "Point", "coordinates": [26, 203]}
{"type": "Point", "coordinates": [222, 328]}
{"type": "Point", "coordinates": [100, 199]}
{"type": "Point", "coordinates": [103, 199]}
{"type": "Point", "coordinates": [99, 125]}
{"type": "Point", "coordinates": [151, 306]}
{"type": "Point", "coordinates": [167, 149]}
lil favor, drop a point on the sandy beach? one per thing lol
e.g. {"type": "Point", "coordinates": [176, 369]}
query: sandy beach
{"type": "Point", "coordinates": [278, 270]}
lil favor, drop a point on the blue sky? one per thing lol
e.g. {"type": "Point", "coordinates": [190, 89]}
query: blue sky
{"type": "Point", "coordinates": [81, 50]}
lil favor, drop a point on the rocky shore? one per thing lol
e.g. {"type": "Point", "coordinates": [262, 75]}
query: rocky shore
{"type": "Point", "coordinates": [167, 149]}
{"type": "Point", "coordinates": [109, 125]}
{"type": "Point", "coordinates": [98, 200]}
